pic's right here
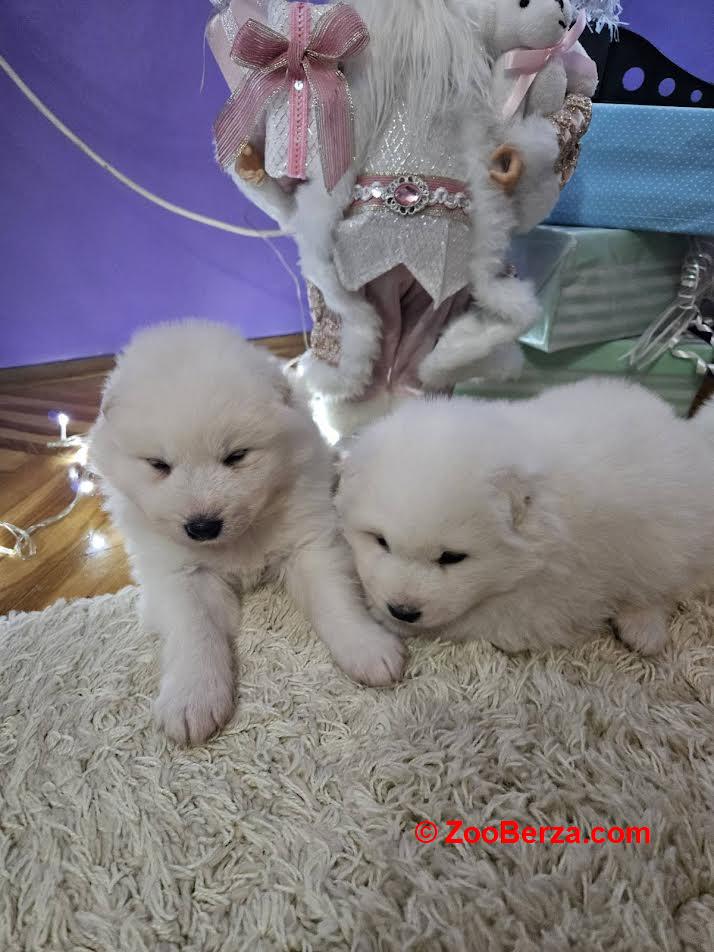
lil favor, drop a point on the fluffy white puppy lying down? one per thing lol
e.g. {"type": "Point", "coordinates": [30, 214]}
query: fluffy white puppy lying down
{"type": "Point", "coordinates": [533, 523]}
{"type": "Point", "coordinates": [218, 479]}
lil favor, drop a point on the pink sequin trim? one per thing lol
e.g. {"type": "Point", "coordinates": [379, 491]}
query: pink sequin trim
{"type": "Point", "coordinates": [300, 24]}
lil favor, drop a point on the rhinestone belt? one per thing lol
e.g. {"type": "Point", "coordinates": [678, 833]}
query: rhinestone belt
{"type": "Point", "coordinates": [410, 194]}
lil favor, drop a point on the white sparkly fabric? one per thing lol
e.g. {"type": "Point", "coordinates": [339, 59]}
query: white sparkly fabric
{"type": "Point", "coordinates": [278, 117]}
{"type": "Point", "coordinates": [222, 30]}
{"type": "Point", "coordinates": [416, 145]}
{"type": "Point", "coordinates": [236, 13]}
{"type": "Point", "coordinates": [434, 249]}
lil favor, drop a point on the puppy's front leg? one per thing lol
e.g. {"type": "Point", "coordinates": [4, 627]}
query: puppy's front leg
{"type": "Point", "coordinates": [644, 629]}
{"type": "Point", "coordinates": [195, 613]}
{"type": "Point", "coordinates": [319, 578]}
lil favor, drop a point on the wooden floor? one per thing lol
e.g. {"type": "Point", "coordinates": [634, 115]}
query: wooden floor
{"type": "Point", "coordinates": [35, 484]}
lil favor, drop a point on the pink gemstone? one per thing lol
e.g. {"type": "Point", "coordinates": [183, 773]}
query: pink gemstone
{"type": "Point", "coordinates": [407, 194]}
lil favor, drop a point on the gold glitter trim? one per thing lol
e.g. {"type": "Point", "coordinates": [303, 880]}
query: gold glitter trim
{"type": "Point", "coordinates": [571, 123]}
{"type": "Point", "coordinates": [326, 336]}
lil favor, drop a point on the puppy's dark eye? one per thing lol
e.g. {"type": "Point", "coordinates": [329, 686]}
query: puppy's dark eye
{"type": "Point", "coordinates": [160, 466]}
{"type": "Point", "coordinates": [524, 3]}
{"type": "Point", "coordinates": [380, 540]}
{"type": "Point", "coordinates": [451, 558]}
{"type": "Point", "coordinates": [234, 458]}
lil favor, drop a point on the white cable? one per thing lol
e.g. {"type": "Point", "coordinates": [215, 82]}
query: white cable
{"type": "Point", "coordinates": [124, 179]}
{"type": "Point", "coordinates": [25, 547]}
{"type": "Point", "coordinates": [298, 289]}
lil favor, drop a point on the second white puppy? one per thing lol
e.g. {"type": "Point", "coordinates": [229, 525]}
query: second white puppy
{"type": "Point", "coordinates": [532, 523]}
{"type": "Point", "coordinates": [219, 479]}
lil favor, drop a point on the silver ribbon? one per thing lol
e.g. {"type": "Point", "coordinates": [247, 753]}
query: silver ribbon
{"type": "Point", "coordinates": [665, 334]}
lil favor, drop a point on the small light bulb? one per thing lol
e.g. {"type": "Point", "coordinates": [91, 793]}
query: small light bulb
{"type": "Point", "coordinates": [97, 541]}
{"type": "Point", "coordinates": [63, 420]}
{"type": "Point", "coordinates": [86, 487]}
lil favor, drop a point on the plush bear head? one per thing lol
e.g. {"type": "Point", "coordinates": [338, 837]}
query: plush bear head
{"type": "Point", "coordinates": [535, 24]}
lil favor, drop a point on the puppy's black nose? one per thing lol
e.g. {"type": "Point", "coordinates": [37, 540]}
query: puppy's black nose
{"type": "Point", "coordinates": [404, 613]}
{"type": "Point", "coordinates": [203, 528]}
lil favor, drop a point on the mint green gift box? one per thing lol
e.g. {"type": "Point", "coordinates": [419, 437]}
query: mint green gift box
{"type": "Point", "coordinates": [597, 284]}
{"type": "Point", "coordinates": [675, 379]}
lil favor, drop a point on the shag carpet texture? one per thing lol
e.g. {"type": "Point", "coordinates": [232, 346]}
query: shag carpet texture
{"type": "Point", "coordinates": [295, 828]}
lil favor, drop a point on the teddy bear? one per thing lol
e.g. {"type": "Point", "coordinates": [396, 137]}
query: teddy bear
{"type": "Point", "coordinates": [541, 81]}
{"type": "Point", "coordinates": [516, 30]}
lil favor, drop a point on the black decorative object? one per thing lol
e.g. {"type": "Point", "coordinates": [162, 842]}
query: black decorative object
{"type": "Point", "coordinates": [633, 71]}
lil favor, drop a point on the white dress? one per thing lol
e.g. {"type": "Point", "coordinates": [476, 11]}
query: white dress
{"type": "Point", "coordinates": [433, 244]}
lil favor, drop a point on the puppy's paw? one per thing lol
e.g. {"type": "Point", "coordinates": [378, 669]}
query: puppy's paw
{"type": "Point", "coordinates": [190, 710]}
{"type": "Point", "coordinates": [644, 630]}
{"type": "Point", "coordinates": [372, 656]}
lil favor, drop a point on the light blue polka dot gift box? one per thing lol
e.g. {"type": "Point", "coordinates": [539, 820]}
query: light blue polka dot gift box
{"type": "Point", "coordinates": [644, 168]}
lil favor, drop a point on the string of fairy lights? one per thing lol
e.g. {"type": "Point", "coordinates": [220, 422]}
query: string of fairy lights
{"type": "Point", "coordinates": [82, 482]}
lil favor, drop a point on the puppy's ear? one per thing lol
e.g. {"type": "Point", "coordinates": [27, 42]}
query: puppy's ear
{"type": "Point", "coordinates": [110, 394]}
{"type": "Point", "coordinates": [516, 489]}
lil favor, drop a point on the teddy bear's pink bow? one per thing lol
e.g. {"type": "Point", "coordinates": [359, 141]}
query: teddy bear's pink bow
{"type": "Point", "coordinates": [528, 63]}
{"type": "Point", "coordinates": [307, 65]}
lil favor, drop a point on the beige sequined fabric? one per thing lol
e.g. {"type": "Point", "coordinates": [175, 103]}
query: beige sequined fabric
{"type": "Point", "coordinates": [571, 123]}
{"type": "Point", "coordinates": [325, 339]}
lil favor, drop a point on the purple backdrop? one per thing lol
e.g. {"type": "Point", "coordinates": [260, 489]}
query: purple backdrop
{"type": "Point", "coordinates": [684, 32]}
{"type": "Point", "coordinates": [82, 260]}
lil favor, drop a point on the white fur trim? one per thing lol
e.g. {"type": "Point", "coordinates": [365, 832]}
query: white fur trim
{"type": "Point", "coordinates": [315, 218]}
{"type": "Point", "coordinates": [463, 350]}
{"type": "Point", "coordinates": [539, 189]}
{"type": "Point", "coordinates": [268, 197]}
{"type": "Point", "coordinates": [347, 417]}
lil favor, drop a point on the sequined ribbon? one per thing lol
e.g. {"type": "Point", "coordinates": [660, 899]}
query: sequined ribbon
{"type": "Point", "coordinates": [307, 65]}
{"type": "Point", "coordinates": [528, 63]}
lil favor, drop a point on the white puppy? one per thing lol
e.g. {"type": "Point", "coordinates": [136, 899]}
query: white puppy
{"type": "Point", "coordinates": [532, 523]}
{"type": "Point", "coordinates": [219, 479]}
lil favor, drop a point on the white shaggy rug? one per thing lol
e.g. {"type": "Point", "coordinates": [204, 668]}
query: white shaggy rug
{"type": "Point", "coordinates": [294, 830]}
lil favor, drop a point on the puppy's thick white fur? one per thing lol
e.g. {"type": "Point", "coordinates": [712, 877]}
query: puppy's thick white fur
{"type": "Point", "coordinates": [191, 394]}
{"type": "Point", "coordinates": [588, 503]}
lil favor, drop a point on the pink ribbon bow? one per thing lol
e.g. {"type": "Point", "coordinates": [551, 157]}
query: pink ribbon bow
{"type": "Point", "coordinates": [306, 65]}
{"type": "Point", "coordinates": [528, 63]}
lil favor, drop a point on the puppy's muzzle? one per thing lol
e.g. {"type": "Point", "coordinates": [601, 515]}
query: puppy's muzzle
{"type": "Point", "coordinates": [203, 528]}
{"type": "Point", "coordinates": [404, 613]}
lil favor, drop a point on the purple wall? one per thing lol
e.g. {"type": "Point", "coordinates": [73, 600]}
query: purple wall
{"type": "Point", "coordinates": [684, 32]}
{"type": "Point", "coordinates": [83, 261]}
